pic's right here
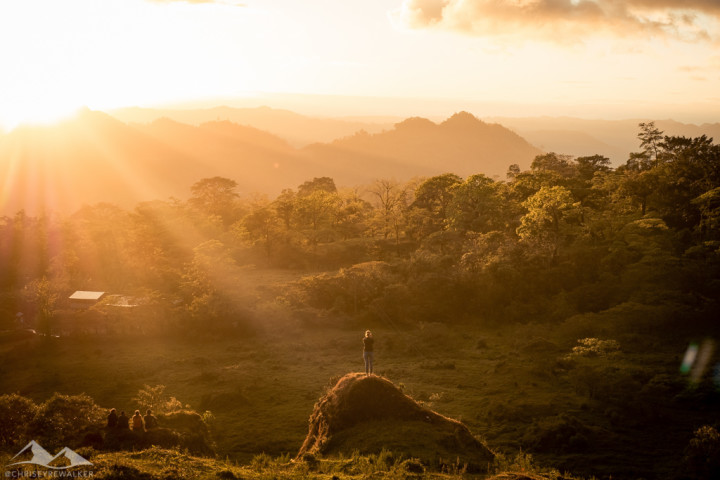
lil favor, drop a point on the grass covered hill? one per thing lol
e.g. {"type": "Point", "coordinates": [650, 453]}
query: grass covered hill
{"type": "Point", "coordinates": [369, 414]}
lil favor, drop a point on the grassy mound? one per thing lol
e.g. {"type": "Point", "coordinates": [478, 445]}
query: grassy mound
{"type": "Point", "coordinates": [367, 414]}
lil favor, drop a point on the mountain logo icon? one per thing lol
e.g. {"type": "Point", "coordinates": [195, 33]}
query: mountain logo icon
{"type": "Point", "coordinates": [34, 454]}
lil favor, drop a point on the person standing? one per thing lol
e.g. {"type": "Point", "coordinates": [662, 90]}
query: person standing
{"type": "Point", "coordinates": [150, 420]}
{"type": "Point", "coordinates": [368, 342]}
{"type": "Point", "coordinates": [137, 422]}
{"type": "Point", "coordinates": [112, 419]}
{"type": "Point", "coordinates": [123, 421]}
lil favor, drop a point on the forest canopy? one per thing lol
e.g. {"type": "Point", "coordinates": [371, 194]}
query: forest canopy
{"type": "Point", "coordinates": [568, 236]}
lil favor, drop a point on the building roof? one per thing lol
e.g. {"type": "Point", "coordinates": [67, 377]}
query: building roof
{"type": "Point", "coordinates": [83, 295]}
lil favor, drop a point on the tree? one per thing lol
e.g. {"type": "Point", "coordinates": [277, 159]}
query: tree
{"type": "Point", "coordinates": [262, 225]}
{"type": "Point", "coordinates": [351, 216]}
{"type": "Point", "coordinates": [209, 284]}
{"type": "Point", "coordinates": [709, 206]}
{"type": "Point", "coordinates": [432, 199]}
{"type": "Point", "coordinates": [391, 202]}
{"type": "Point", "coordinates": [216, 196]}
{"type": "Point", "coordinates": [324, 184]}
{"type": "Point", "coordinates": [284, 206]}
{"type": "Point", "coordinates": [550, 169]}
{"type": "Point", "coordinates": [477, 205]}
{"type": "Point", "coordinates": [691, 168]}
{"type": "Point", "coordinates": [545, 222]}
{"type": "Point", "coordinates": [650, 137]}
{"type": "Point", "coordinates": [553, 162]}
{"type": "Point", "coordinates": [314, 214]}
{"type": "Point", "coordinates": [639, 180]}
{"type": "Point", "coordinates": [589, 165]}
{"type": "Point", "coordinates": [44, 298]}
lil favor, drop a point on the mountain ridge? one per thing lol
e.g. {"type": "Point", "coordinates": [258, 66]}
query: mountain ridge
{"type": "Point", "coordinates": [95, 157]}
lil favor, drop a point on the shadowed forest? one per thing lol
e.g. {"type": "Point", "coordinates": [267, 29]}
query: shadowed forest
{"type": "Point", "coordinates": [568, 312]}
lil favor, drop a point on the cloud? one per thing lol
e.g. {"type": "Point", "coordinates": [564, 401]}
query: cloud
{"type": "Point", "coordinates": [565, 21]}
{"type": "Point", "coordinates": [711, 65]}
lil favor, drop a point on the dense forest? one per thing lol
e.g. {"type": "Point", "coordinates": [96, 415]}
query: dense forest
{"type": "Point", "coordinates": [569, 236]}
{"type": "Point", "coordinates": [628, 252]}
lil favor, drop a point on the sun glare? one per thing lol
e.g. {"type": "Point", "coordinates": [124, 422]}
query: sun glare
{"type": "Point", "coordinates": [41, 112]}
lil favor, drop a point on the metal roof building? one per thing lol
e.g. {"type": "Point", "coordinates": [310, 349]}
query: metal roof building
{"type": "Point", "coordinates": [82, 295]}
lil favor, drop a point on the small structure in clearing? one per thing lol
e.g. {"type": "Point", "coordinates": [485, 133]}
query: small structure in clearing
{"type": "Point", "coordinates": [84, 299]}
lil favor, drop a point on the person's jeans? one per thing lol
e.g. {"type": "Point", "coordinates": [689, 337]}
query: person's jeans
{"type": "Point", "coordinates": [368, 357]}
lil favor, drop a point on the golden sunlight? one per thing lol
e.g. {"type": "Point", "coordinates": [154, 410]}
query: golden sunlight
{"type": "Point", "coordinates": [37, 111]}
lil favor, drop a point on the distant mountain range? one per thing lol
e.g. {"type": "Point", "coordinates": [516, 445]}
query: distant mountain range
{"type": "Point", "coordinates": [614, 139]}
{"type": "Point", "coordinates": [95, 157]}
{"type": "Point", "coordinates": [462, 144]}
{"type": "Point", "coordinates": [298, 130]}
{"type": "Point", "coordinates": [573, 136]}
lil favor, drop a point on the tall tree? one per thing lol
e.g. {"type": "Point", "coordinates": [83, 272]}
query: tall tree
{"type": "Point", "coordinates": [324, 184]}
{"type": "Point", "coordinates": [546, 221]}
{"type": "Point", "coordinates": [216, 196]}
{"type": "Point", "coordinates": [390, 199]}
{"type": "Point", "coordinates": [314, 214]}
{"type": "Point", "coordinates": [432, 199]}
{"type": "Point", "coordinates": [650, 139]}
{"type": "Point", "coordinates": [44, 298]}
{"type": "Point", "coordinates": [477, 205]}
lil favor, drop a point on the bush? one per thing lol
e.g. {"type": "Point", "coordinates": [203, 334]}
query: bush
{"type": "Point", "coordinates": [562, 433]}
{"type": "Point", "coordinates": [702, 455]}
{"type": "Point", "coordinates": [16, 412]}
{"type": "Point", "coordinates": [63, 420]}
{"type": "Point", "coordinates": [156, 399]}
{"type": "Point", "coordinates": [594, 347]}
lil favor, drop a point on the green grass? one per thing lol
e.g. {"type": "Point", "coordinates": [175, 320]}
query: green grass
{"type": "Point", "coordinates": [158, 464]}
{"type": "Point", "coordinates": [501, 382]}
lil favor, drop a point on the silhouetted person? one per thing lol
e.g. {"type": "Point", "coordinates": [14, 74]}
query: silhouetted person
{"type": "Point", "coordinates": [150, 420]}
{"type": "Point", "coordinates": [112, 419]}
{"type": "Point", "coordinates": [123, 421]}
{"type": "Point", "coordinates": [137, 422]}
{"type": "Point", "coordinates": [368, 341]}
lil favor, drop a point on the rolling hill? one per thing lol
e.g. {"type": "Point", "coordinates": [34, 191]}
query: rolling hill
{"type": "Point", "coordinates": [96, 158]}
{"type": "Point", "coordinates": [462, 144]}
{"type": "Point", "coordinates": [614, 139]}
{"type": "Point", "coordinates": [299, 130]}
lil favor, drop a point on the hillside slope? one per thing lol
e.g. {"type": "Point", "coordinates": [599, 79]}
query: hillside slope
{"type": "Point", "coordinates": [462, 144]}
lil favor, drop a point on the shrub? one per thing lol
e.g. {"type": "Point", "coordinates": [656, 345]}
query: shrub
{"type": "Point", "coordinates": [157, 400]}
{"type": "Point", "coordinates": [64, 420]}
{"type": "Point", "coordinates": [702, 455]}
{"type": "Point", "coordinates": [594, 347]}
{"type": "Point", "coordinates": [562, 433]}
{"type": "Point", "coordinates": [16, 412]}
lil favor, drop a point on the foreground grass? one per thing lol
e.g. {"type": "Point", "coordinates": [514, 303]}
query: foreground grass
{"type": "Point", "coordinates": [160, 464]}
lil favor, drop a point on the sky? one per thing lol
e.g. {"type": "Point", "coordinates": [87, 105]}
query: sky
{"type": "Point", "coordinates": [590, 59]}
